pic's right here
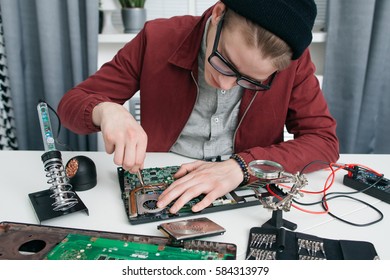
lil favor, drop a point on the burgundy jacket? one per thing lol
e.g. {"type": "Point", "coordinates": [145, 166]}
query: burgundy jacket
{"type": "Point", "coordinates": [161, 62]}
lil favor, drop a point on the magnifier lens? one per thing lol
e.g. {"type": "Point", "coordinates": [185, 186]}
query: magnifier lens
{"type": "Point", "coordinates": [265, 169]}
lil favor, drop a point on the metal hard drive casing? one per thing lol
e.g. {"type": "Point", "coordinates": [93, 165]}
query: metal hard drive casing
{"type": "Point", "coordinates": [191, 228]}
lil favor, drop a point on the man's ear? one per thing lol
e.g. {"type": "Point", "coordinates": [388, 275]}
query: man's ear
{"type": "Point", "coordinates": [218, 11]}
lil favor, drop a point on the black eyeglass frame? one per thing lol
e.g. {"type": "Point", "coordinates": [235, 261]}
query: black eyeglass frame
{"type": "Point", "coordinates": [251, 83]}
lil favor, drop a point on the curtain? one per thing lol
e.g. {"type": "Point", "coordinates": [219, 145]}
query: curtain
{"type": "Point", "coordinates": [7, 121]}
{"type": "Point", "coordinates": [51, 46]}
{"type": "Point", "coordinates": [357, 73]}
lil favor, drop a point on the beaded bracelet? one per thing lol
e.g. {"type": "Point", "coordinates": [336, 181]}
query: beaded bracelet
{"type": "Point", "coordinates": [244, 167]}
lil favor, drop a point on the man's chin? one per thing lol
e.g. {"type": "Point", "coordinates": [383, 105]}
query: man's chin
{"type": "Point", "coordinates": [212, 82]}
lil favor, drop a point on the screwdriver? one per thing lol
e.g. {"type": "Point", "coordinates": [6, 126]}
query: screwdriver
{"type": "Point", "coordinates": [141, 180]}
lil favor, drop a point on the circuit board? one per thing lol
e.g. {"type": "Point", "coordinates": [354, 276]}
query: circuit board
{"type": "Point", "coordinates": [83, 247]}
{"type": "Point", "coordinates": [362, 179]}
{"type": "Point", "coordinates": [20, 241]}
{"type": "Point", "coordinates": [141, 203]}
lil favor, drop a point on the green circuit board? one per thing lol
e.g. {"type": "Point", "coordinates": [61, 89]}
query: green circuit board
{"type": "Point", "coordinates": [152, 176]}
{"type": "Point", "coordinates": [83, 247]}
{"type": "Point", "coordinates": [141, 204]}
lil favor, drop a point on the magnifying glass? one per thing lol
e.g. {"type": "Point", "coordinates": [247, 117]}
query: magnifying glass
{"type": "Point", "coordinates": [265, 169]}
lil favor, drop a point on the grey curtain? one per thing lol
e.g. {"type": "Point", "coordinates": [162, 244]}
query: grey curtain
{"type": "Point", "coordinates": [51, 46]}
{"type": "Point", "coordinates": [8, 139]}
{"type": "Point", "coordinates": [357, 73]}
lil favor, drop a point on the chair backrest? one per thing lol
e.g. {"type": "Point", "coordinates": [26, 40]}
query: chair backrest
{"type": "Point", "coordinates": [135, 107]}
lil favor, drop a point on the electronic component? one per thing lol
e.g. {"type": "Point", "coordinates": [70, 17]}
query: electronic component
{"type": "Point", "coordinates": [46, 130]}
{"type": "Point", "coordinates": [190, 229]}
{"type": "Point", "coordinates": [368, 182]}
{"type": "Point", "coordinates": [271, 174]}
{"type": "Point", "coordinates": [84, 247]}
{"type": "Point", "coordinates": [59, 199]}
{"type": "Point", "coordinates": [141, 202]}
{"type": "Point", "coordinates": [21, 241]}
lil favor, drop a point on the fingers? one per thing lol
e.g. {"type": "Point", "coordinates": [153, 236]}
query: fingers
{"type": "Point", "coordinates": [130, 156]}
{"type": "Point", "coordinates": [183, 193]}
{"type": "Point", "coordinates": [187, 196]}
{"type": "Point", "coordinates": [188, 193]}
{"type": "Point", "coordinates": [140, 154]}
{"type": "Point", "coordinates": [173, 189]}
{"type": "Point", "coordinates": [187, 187]}
{"type": "Point", "coordinates": [212, 179]}
{"type": "Point", "coordinates": [134, 156]}
{"type": "Point", "coordinates": [122, 136]}
{"type": "Point", "coordinates": [109, 147]}
{"type": "Point", "coordinates": [119, 155]}
{"type": "Point", "coordinates": [187, 168]}
{"type": "Point", "coordinates": [184, 199]}
{"type": "Point", "coordinates": [176, 189]}
{"type": "Point", "coordinates": [205, 202]}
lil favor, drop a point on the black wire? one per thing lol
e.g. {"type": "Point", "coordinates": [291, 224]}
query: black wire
{"type": "Point", "coordinates": [345, 195]}
{"type": "Point", "coordinates": [313, 162]}
{"type": "Point", "coordinates": [348, 222]}
{"type": "Point", "coordinates": [302, 170]}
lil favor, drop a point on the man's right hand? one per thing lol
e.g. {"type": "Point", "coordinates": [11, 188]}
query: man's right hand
{"type": "Point", "coordinates": [122, 135]}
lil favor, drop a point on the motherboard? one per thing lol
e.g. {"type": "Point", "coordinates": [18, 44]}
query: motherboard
{"type": "Point", "coordinates": [141, 202]}
{"type": "Point", "coordinates": [20, 241]}
{"type": "Point", "coordinates": [84, 247]}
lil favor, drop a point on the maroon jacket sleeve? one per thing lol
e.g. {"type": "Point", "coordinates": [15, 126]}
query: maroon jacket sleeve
{"type": "Point", "coordinates": [116, 81]}
{"type": "Point", "coordinates": [308, 119]}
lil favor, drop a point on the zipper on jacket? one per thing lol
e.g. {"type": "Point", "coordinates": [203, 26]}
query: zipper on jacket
{"type": "Point", "coordinates": [196, 100]}
{"type": "Point", "coordinates": [240, 121]}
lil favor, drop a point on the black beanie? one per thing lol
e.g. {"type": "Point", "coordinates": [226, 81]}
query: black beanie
{"type": "Point", "coordinates": [290, 20]}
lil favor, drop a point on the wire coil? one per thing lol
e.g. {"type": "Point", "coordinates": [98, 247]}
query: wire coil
{"type": "Point", "coordinates": [63, 195]}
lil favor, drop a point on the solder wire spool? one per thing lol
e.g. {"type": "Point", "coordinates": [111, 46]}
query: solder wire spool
{"type": "Point", "coordinates": [81, 172]}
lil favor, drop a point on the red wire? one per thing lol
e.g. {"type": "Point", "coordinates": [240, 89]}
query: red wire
{"type": "Point", "coordinates": [327, 186]}
{"type": "Point", "coordinates": [332, 175]}
{"type": "Point", "coordinates": [352, 165]}
{"type": "Point", "coordinates": [293, 205]}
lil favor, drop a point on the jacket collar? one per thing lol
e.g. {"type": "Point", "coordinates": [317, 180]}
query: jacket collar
{"type": "Point", "coordinates": [185, 56]}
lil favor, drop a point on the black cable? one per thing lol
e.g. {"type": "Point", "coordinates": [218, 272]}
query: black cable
{"type": "Point", "coordinates": [359, 200]}
{"type": "Point", "coordinates": [313, 162]}
{"type": "Point", "coordinates": [342, 194]}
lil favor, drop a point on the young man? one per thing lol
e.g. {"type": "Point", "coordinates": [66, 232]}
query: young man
{"type": "Point", "coordinates": [221, 84]}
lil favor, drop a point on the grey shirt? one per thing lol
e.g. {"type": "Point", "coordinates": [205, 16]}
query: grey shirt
{"type": "Point", "coordinates": [210, 129]}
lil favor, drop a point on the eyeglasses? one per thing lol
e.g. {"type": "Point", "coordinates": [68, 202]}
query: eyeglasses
{"type": "Point", "coordinates": [223, 66]}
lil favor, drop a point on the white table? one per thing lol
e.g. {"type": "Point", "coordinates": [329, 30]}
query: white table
{"type": "Point", "coordinates": [22, 173]}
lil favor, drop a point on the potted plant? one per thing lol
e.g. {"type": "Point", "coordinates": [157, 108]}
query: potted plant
{"type": "Point", "coordinates": [133, 15]}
